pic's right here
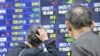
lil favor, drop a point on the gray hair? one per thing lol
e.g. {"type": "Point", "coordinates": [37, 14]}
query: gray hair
{"type": "Point", "coordinates": [79, 16]}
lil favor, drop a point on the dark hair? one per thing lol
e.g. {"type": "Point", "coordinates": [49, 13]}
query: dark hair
{"type": "Point", "coordinates": [31, 36]}
{"type": "Point", "coordinates": [79, 16]}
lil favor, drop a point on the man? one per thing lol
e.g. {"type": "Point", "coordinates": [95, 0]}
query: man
{"type": "Point", "coordinates": [80, 26]}
{"type": "Point", "coordinates": [35, 36]}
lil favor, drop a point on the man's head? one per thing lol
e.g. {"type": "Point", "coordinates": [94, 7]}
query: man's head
{"type": "Point", "coordinates": [31, 36]}
{"type": "Point", "coordinates": [79, 17]}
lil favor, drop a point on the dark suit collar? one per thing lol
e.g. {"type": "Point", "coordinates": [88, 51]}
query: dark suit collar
{"type": "Point", "coordinates": [23, 45]}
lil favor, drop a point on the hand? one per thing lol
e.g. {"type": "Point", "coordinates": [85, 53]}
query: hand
{"type": "Point", "coordinates": [42, 35]}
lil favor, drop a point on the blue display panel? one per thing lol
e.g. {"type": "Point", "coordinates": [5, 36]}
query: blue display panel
{"type": "Point", "coordinates": [53, 18]}
{"type": "Point", "coordinates": [16, 16]}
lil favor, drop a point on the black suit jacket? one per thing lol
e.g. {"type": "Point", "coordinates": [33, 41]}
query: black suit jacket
{"type": "Point", "coordinates": [88, 44]}
{"type": "Point", "coordinates": [24, 50]}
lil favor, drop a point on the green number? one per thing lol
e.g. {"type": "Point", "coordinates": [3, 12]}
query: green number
{"type": "Point", "coordinates": [70, 1]}
{"type": "Point", "coordinates": [88, 1]}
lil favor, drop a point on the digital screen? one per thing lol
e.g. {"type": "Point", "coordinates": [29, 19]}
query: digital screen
{"type": "Point", "coordinates": [16, 16]}
{"type": "Point", "coordinates": [53, 18]}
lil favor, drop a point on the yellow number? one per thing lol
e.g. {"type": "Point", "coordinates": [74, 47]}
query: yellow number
{"type": "Point", "coordinates": [35, 3]}
{"type": "Point", "coordinates": [52, 35]}
{"type": "Point", "coordinates": [53, 17]}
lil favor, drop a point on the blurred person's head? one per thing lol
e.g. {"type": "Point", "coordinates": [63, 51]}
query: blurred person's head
{"type": "Point", "coordinates": [79, 19]}
{"type": "Point", "coordinates": [32, 39]}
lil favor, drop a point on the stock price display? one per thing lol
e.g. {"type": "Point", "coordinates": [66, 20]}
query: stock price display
{"type": "Point", "coordinates": [16, 16]}
{"type": "Point", "coordinates": [53, 19]}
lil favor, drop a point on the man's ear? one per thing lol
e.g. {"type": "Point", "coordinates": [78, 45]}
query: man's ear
{"type": "Point", "coordinates": [92, 25]}
{"type": "Point", "coordinates": [68, 25]}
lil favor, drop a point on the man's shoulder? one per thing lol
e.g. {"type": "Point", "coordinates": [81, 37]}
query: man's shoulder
{"type": "Point", "coordinates": [14, 51]}
{"type": "Point", "coordinates": [88, 39]}
{"type": "Point", "coordinates": [89, 36]}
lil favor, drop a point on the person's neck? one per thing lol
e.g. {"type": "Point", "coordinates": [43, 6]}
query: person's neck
{"type": "Point", "coordinates": [78, 32]}
{"type": "Point", "coordinates": [29, 45]}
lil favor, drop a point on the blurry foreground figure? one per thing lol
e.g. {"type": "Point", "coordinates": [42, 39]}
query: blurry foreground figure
{"type": "Point", "coordinates": [80, 26]}
{"type": "Point", "coordinates": [35, 36]}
